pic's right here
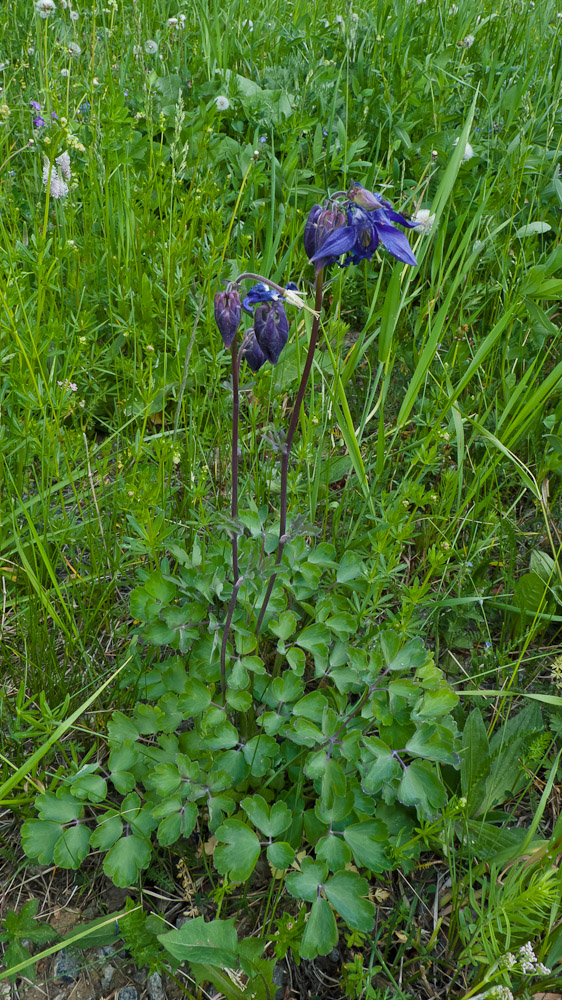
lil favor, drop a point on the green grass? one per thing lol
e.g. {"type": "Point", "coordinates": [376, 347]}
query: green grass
{"type": "Point", "coordinates": [431, 441]}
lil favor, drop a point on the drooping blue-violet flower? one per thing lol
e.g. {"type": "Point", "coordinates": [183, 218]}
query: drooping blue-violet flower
{"type": "Point", "coordinates": [355, 228]}
{"type": "Point", "coordinates": [271, 328]}
{"type": "Point", "coordinates": [228, 313]}
{"type": "Point", "coordinates": [252, 352]}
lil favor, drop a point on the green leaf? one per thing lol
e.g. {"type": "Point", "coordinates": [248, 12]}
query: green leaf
{"type": "Point", "coordinates": [409, 657]}
{"type": "Point", "coordinates": [286, 626]}
{"type": "Point", "coordinates": [272, 821]}
{"type": "Point", "coordinates": [38, 839]}
{"type": "Point", "coordinates": [159, 634]}
{"type": "Point", "coordinates": [345, 891]}
{"type": "Point", "coordinates": [179, 824]}
{"type": "Point", "coordinates": [162, 590]}
{"type": "Point", "coordinates": [89, 786]}
{"type": "Point", "coordinates": [296, 660]}
{"type": "Point", "coordinates": [108, 830]}
{"type": "Point", "coordinates": [214, 942]}
{"type": "Point", "coordinates": [237, 857]}
{"type": "Point", "coordinates": [434, 743]}
{"type": "Point", "coordinates": [280, 855]}
{"type": "Point", "coordinates": [350, 567]}
{"type": "Point", "coordinates": [259, 752]}
{"type": "Point", "coordinates": [420, 786]}
{"type": "Point", "coordinates": [316, 640]}
{"type": "Point", "coordinates": [304, 884]}
{"type": "Point", "coordinates": [436, 703]}
{"type": "Point", "coordinates": [62, 808]}
{"type": "Point", "coordinates": [369, 841]}
{"type": "Point", "coordinates": [311, 706]}
{"type": "Point", "coordinates": [129, 856]}
{"type": "Point", "coordinates": [333, 851]}
{"type": "Point", "coordinates": [320, 934]}
{"type": "Point", "coordinates": [72, 847]}
{"type": "Point", "coordinates": [475, 761]}
{"type": "Point", "coordinates": [23, 925]}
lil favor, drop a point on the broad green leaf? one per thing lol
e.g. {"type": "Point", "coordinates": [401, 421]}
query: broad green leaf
{"type": "Point", "coordinates": [369, 841]}
{"type": "Point", "coordinates": [346, 890]}
{"type": "Point", "coordinates": [179, 824]}
{"type": "Point", "coordinates": [195, 697]}
{"type": "Point", "coordinates": [285, 626]}
{"type": "Point", "coordinates": [436, 703]}
{"type": "Point", "coordinates": [434, 743]}
{"type": "Point", "coordinates": [271, 821]}
{"type": "Point", "coordinates": [421, 786]}
{"type": "Point", "coordinates": [333, 851]}
{"type": "Point", "coordinates": [129, 856]}
{"type": "Point", "coordinates": [237, 851]}
{"type": "Point", "coordinates": [316, 640]}
{"type": "Point", "coordinates": [320, 934]}
{"type": "Point", "coordinates": [60, 808]}
{"type": "Point", "coordinates": [159, 588]}
{"type": "Point", "coordinates": [475, 761]}
{"type": "Point", "coordinates": [38, 839]}
{"type": "Point", "coordinates": [259, 753]}
{"type": "Point", "coordinates": [409, 657]}
{"type": "Point", "coordinates": [212, 942]}
{"type": "Point", "coordinates": [159, 634]}
{"type": "Point", "coordinates": [280, 855]}
{"type": "Point", "coordinates": [89, 786]}
{"type": "Point", "coordinates": [108, 830]}
{"type": "Point", "coordinates": [72, 847]}
{"type": "Point", "coordinates": [350, 567]}
{"type": "Point", "coordinates": [304, 884]}
{"type": "Point", "coordinates": [311, 706]}
{"type": "Point", "coordinates": [334, 809]}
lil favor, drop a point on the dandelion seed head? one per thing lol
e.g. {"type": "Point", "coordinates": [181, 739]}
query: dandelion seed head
{"type": "Point", "coordinates": [222, 103]}
{"type": "Point", "coordinates": [424, 220]}
{"type": "Point", "coordinates": [150, 47]}
{"type": "Point", "coordinates": [45, 7]}
{"type": "Point", "coordinates": [468, 150]}
{"type": "Point", "coordinates": [74, 15]}
{"type": "Point", "coordinates": [74, 49]}
{"type": "Point", "coordinates": [65, 72]}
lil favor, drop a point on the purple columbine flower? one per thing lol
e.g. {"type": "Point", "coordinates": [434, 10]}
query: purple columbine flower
{"type": "Point", "coordinates": [260, 293]}
{"type": "Point", "coordinates": [271, 328]}
{"type": "Point", "coordinates": [252, 353]}
{"type": "Point", "coordinates": [363, 231]}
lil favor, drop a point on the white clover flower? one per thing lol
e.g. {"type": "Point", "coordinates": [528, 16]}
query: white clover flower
{"type": "Point", "coordinates": [45, 7]}
{"type": "Point", "coordinates": [53, 179]}
{"type": "Point", "coordinates": [424, 220]}
{"type": "Point", "coordinates": [63, 162]}
{"type": "Point", "coordinates": [150, 47]}
{"type": "Point", "coordinates": [74, 49]}
{"type": "Point", "coordinates": [222, 103]}
{"type": "Point", "coordinates": [468, 150]}
{"type": "Point", "coordinates": [74, 15]}
{"type": "Point", "coordinates": [65, 72]}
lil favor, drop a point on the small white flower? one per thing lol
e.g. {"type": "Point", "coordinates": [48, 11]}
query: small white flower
{"type": "Point", "coordinates": [453, 9]}
{"type": "Point", "coordinates": [468, 150]}
{"type": "Point", "coordinates": [424, 220]}
{"type": "Point", "coordinates": [467, 42]}
{"type": "Point", "coordinates": [246, 23]}
{"type": "Point", "coordinates": [45, 7]}
{"type": "Point", "coordinates": [173, 22]}
{"type": "Point", "coordinates": [222, 103]}
{"type": "Point", "coordinates": [65, 72]}
{"type": "Point", "coordinates": [58, 187]}
{"type": "Point", "coordinates": [74, 49]}
{"type": "Point", "coordinates": [339, 19]}
{"type": "Point", "coordinates": [150, 47]}
{"type": "Point", "coordinates": [74, 15]}
{"type": "Point", "coordinates": [63, 161]}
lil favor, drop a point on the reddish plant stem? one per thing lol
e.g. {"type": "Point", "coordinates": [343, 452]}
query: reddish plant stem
{"type": "Point", "coordinates": [235, 416]}
{"type": "Point", "coordinates": [289, 441]}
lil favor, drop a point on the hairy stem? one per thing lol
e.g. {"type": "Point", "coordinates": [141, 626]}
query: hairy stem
{"type": "Point", "coordinates": [289, 441]}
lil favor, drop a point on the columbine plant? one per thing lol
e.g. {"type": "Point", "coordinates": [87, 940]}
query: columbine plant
{"type": "Point", "coordinates": [351, 225]}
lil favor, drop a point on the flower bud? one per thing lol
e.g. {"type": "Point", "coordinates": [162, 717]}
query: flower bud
{"type": "Point", "coordinates": [309, 236]}
{"type": "Point", "coordinates": [271, 327]}
{"type": "Point", "coordinates": [228, 313]}
{"type": "Point", "coordinates": [361, 196]}
{"type": "Point", "coordinates": [321, 223]}
{"type": "Point", "coordinates": [252, 353]}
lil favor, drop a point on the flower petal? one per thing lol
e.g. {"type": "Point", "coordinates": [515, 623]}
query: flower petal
{"type": "Point", "coordinates": [396, 243]}
{"type": "Point", "coordinates": [338, 242]}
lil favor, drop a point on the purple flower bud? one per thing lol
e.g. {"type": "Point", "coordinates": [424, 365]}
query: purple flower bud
{"type": "Point", "coordinates": [252, 353]}
{"type": "Point", "coordinates": [271, 327]}
{"type": "Point", "coordinates": [361, 196]}
{"type": "Point", "coordinates": [228, 313]}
